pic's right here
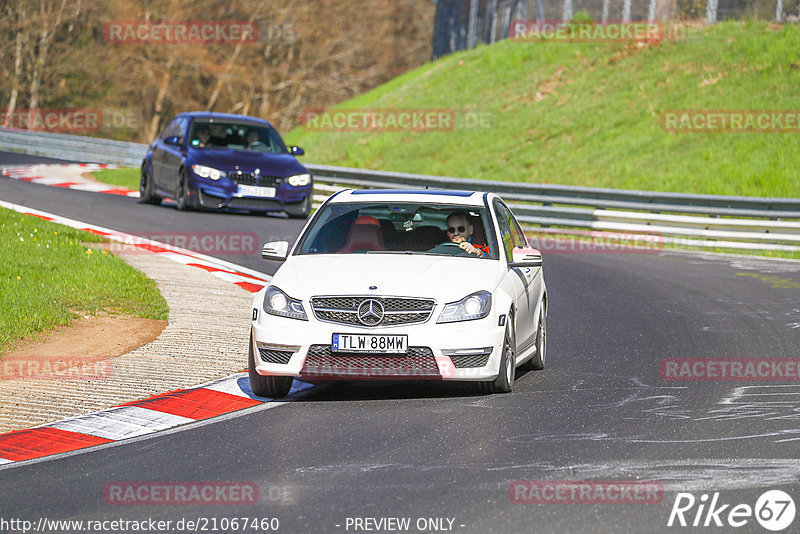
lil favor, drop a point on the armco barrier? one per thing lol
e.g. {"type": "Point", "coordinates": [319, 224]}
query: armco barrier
{"type": "Point", "coordinates": [705, 220]}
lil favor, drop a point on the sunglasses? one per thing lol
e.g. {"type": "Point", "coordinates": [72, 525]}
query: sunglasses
{"type": "Point", "coordinates": [453, 229]}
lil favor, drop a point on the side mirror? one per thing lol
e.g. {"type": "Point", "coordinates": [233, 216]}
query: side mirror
{"type": "Point", "coordinates": [296, 150]}
{"type": "Point", "coordinates": [275, 250]}
{"type": "Point", "coordinates": [173, 140]}
{"type": "Point", "coordinates": [526, 257]}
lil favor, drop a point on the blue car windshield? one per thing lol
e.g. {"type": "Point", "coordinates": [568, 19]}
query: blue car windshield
{"type": "Point", "coordinates": [235, 136]}
{"type": "Point", "coordinates": [408, 228]}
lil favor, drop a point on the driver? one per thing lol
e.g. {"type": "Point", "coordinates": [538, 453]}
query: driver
{"type": "Point", "coordinates": [203, 136]}
{"type": "Point", "coordinates": [460, 231]}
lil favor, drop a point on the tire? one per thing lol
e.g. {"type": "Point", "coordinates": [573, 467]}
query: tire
{"type": "Point", "coordinates": [267, 386]}
{"type": "Point", "coordinates": [505, 377]}
{"type": "Point", "coordinates": [304, 212]}
{"type": "Point", "coordinates": [146, 195]}
{"type": "Point", "coordinates": [537, 362]}
{"type": "Point", "coordinates": [182, 201]}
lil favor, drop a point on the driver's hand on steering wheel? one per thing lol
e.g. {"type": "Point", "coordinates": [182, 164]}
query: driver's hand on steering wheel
{"type": "Point", "coordinates": [464, 245]}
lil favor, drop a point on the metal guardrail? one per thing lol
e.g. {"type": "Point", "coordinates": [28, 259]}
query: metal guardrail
{"type": "Point", "coordinates": [742, 222]}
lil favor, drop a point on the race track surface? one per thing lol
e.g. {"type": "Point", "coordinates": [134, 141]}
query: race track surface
{"type": "Point", "coordinates": [600, 410]}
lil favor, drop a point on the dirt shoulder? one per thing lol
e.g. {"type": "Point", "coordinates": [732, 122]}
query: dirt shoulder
{"type": "Point", "coordinates": [206, 338]}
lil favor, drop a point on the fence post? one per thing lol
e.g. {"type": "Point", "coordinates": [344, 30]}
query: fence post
{"type": "Point", "coordinates": [605, 11]}
{"type": "Point", "coordinates": [779, 11]}
{"type": "Point", "coordinates": [567, 10]}
{"type": "Point", "coordinates": [493, 19]}
{"type": "Point", "coordinates": [626, 11]}
{"type": "Point", "coordinates": [473, 24]}
{"type": "Point", "coordinates": [711, 12]}
{"type": "Point", "coordinates": [651, 12]}
{"type": "Point", "coordinates": [540, 12]}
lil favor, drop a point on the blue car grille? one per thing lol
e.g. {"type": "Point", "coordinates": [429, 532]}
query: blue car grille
{"type": "Point", "coordinates": [249, 178]}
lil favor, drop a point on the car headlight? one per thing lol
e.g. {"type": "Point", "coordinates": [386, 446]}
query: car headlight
{"type": "Point", "coordinates": [207, 172]}
{"type": "Point", "coordinates": [300, 179]}
{"type": "Point", "coordinates": [276, 302]}
{"type": "Point", "coordinates": [471, 307]}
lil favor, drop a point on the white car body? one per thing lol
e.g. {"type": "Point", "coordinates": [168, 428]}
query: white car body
{"type": "Point", "coordinates": [466, 350]}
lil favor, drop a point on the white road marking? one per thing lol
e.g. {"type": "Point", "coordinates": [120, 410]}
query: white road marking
{"type": "Point", "coordinates": [121, 423]}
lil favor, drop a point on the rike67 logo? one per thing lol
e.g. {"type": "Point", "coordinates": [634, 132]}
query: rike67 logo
{"type": "Point", "coordinates": [774, 510]}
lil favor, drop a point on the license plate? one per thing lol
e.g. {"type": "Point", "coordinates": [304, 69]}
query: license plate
{"type": "Point", "coordinates": [370, 344]}
{"type": "Point", "coordinates": [255, 191]}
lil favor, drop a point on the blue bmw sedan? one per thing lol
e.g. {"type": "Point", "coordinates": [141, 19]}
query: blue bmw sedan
{"type": "Point", "coordinates": [219, 160]}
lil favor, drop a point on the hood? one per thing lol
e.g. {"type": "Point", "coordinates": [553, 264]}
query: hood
{"type": "Point", "coordinates": [281, 165]}
{"type": "Point", "coordinates": [446, 279]}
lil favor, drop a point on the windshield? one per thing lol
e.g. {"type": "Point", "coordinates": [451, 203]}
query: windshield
{"type": "Point", "coordinates": [234, 136]}
{"type": "Point", "coordinates": [391, 228]}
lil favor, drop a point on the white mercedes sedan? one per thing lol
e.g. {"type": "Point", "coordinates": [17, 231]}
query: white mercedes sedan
{"type": "Point", "coordinates": [401, 284]}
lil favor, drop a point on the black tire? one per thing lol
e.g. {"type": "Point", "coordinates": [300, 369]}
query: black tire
{"type": "Point", "coordinates": [182, 201]}
{"type": "Point", "coordinates": [505, 377]}
{"type": "Point", "coordinates": [146, 195]}
{"type": "Point", "coordinates": [266, 386]}
{"type": "Point", "coordinates": [537, 362]}
{"type": "Point", "coordinates": [304, 212]}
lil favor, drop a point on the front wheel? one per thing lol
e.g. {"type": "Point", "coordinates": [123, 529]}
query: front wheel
{"type": "Point", "coordinates": [267, 386]}
{"type": "Point", "coordinates": [182, 197]}
{"type": "Point", "coordinates": [537, 362]}
{"type": "Point", "coordinates": [505, 376]}
{"type": "Point", "coordinates": [146, 195]}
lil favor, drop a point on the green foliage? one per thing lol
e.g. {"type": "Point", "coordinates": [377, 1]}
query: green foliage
{"type": "Point", "coordinates": [48, 276]}
{"type": "Point", "coordinates": [589, 114]}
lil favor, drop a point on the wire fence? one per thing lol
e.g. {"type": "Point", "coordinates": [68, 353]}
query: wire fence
{"type": "Point", "coordinates": [462, 24]}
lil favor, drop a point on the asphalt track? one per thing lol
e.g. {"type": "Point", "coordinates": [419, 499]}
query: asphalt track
{"type": "Point", "coordinates": [599, 411]}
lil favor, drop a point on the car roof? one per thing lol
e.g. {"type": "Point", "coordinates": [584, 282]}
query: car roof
{"type": "Point", "coordinates": [438, 196]}
{"type": "Point", "coordinates": [209, 115]}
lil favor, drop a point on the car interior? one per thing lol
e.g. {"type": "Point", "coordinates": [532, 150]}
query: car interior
{"type": "Point", "coordinates": [357, 232]}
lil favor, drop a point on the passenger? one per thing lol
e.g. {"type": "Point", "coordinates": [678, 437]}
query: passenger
{"type": "Point", "coordinates": [460, 230]}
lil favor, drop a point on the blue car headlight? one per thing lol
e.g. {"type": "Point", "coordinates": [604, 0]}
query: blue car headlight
{"type": "Point", "coordinates": [474, 306]}
{"type": "Point", "coordinates": [276, 302]}
{"type": "Point", "coordinates": [299, 180]}
{"type": "Point", "coordinates": [207, 172]}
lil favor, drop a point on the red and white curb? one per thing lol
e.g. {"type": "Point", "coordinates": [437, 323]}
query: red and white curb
{"type": "Point", "coordinates": [149, 415]}
{"type": "Point", "coordinates": [65, 175]}
{"type": "Point", "coordinates": [135, 419]}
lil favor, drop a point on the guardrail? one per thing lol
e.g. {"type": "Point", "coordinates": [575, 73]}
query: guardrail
{"type": "Point", "coordinates": [701, 220]}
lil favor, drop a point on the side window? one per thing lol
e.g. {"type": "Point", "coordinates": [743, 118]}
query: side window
{"type": "Point", "coordinates": [180, 128]}
{"type": "Point", "coordinates": [504, 221]}
{"type": "Point", "coordinates": [517, 235]}
{"type": "Point", "coordinates": [172, 129]}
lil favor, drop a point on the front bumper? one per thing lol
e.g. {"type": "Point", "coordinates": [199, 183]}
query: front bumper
{"type": "Point", "coordinates": [465, 351]}
{"type": "Point", "coordinates": [222, 194]}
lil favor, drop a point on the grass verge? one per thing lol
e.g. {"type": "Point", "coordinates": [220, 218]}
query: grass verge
{"type": "Point", "coordinates": [49, 277]}
{"type": "Point", "coordinates": [127, 177]}
{"type": "Point", "coordinates": [589, 114]}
